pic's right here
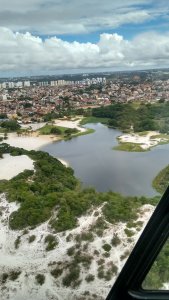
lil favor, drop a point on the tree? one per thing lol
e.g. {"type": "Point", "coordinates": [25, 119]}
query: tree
{"type": "Point", "coordinates": [55, 130]}
{"type": "Point", "coordinates": [11, 125]}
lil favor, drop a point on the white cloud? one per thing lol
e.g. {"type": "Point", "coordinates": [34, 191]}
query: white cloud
{"type": "Point", "coordinates": [69, 17]}
{"type": "Point", "coordinates": [27, 53]}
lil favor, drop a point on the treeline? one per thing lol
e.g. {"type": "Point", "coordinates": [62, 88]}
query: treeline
{"type": "Point", "coordinates": [161, 181]}
{"type": "Point", "coordinates": [52, 192]}
{"type": "Point", "coordinates": [126, 116]}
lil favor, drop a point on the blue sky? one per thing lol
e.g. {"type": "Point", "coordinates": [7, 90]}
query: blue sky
{"type": "Point", "coordinates": [51, 36]}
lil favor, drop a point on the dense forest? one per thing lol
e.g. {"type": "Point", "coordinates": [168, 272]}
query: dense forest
{"type": "Point", "coordinates": [142, 118]}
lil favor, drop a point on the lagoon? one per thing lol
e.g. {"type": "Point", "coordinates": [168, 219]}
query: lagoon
{"type": "Point", "coordinates": [97, 165]}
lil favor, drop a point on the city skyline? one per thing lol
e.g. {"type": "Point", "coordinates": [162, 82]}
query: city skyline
{"type": "Point", "coordinates": [52, 37]}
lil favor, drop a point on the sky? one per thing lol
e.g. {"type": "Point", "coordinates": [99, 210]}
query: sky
{"type": "Point", "coordinates": [70, 36]}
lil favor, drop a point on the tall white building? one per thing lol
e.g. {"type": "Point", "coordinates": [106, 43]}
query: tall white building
{"type": "Point", "coordinates": [27, 83]}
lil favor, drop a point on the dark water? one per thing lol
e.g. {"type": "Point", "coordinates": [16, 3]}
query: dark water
{"type": "Point", "coordinates": [96, 164]}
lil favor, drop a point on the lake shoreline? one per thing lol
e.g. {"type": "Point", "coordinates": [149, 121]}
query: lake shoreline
{"type": "Point", "coordinates": [140, 142]}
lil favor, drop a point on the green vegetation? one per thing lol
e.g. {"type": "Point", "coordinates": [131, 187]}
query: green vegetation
{"type": "Point", "coordinates": [164, 138]}
{"type": "Point", "coordinates": [115, 240]}
{"type": "Point", "coordinates": [51, 129]}
{"type": "Point", "coordinates": [89, 278]}
{"type": "Point", "coordinates": [53, 187]}
{"type": "Point", "coordinates": [57, 272]}
{"type": "Point", "coordinates": [143, 117]}
{"type": "Point", "coordinates": [85, 236]}
{"type": "Point", "coordinates": [72, 278]}
{"type": "Point", "coordinates": [130, 147]}
{"type": "Point", "coordinates": [63, 132]}
{"type": "Point", "coordinates": [31, 238]}
{"type": "Point", "coordinates": [13, 275]}
{"type": "Point", "coordinates": [10, 125]}
{"type": "Point", "coordinates": [42, 193]}
{"type": "Point", "coordinates": [125, 255]}
{"type": "Point", "coordinates": [106, 247]}
{"type": "Point", "coordinates": [108, 272]}
{"type": "Point", "coordinates": [17, 242]}
{"type": "Point", "coordinates": [158, 274]}
{"type": "Point", "coordinates": [51, 242]}
{"type": "Point", "coordinates": [40, 279]}
{"type": "Point", "coordinates": [4, 277]}
{"type": "Point", "coordinates": [129, 232]}
{"type": "Point", "coordinates": [88, 131]}
{"type": "Point", "coordinates": [93, 119]}
{"type": "Point", "coordinates": [161, 181]}
{"type": "Point", "coordinates": [71, 251]}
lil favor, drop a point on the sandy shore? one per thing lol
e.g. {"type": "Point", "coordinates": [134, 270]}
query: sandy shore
{"type": "Point", "coordinates": [146, 141]}
{"type": "Point", "coordinates": [35, 141]}
{"type": "Point", "coordinates": [70, 124]}
{"type": "Point", "coordinates": [29, 142]}
{"type": "Point", "coordinates": [11, 166]}
{"type": "Point", "coordinates": [32, 143]}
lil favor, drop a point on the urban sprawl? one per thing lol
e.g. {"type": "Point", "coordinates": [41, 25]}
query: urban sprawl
{"type": "Point", "coordinates": [30, 101]}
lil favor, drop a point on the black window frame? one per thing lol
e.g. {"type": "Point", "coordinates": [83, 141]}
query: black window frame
{"type": "Point", "coordinates": [128, 285]}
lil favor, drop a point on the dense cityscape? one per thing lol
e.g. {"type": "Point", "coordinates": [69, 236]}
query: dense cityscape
{"type": "Point", "coordinates": [30, 100]}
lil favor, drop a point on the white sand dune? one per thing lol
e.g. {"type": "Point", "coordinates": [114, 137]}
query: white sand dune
{"type": "Point", "coordinates": [70, 124]}
{"type": "Point", "coordinates": [145, 141]}
{"type": "Point", "coordinates": [28, 142]}
{"type": "Point", "coordinates": [31, 258]}
{"type": "Point", "coordinates": [11, 166]}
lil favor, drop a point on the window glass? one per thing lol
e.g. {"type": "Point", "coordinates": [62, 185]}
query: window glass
{"type": "Point", "coordinates": [158, 276]}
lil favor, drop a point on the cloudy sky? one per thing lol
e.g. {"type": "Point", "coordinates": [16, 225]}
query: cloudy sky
{"type": "Point", "coordinates": [52, 36]}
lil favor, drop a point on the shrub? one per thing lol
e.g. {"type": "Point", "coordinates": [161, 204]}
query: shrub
{"type": "Point", "coordinates": [31, 238]}
{"type": "Point", "coordinates": [25, 231]}
{"type": "Point", "coordinates": [84, 236]}
{"type": "Point", "coordinates": [108, 275]}
{"type": "Point", "coordinates": [14, 275]}
{"type": "Point", "coordinates": [129, 232]}
{"type": "Point", "coordinates": [106, 254]}
{"type": "Point", "coordinates": [113, 268]}
{"type": "Point", "coordinates": [87, 236]}
{"type": "Point", "coordinates": [85, 246]}
{"type": "Point", "coordinates": [51, 242]}
{"type": "Point", "coordinates": [89, 278]}
{"type": "Point", "coordinates": [101, 261]}
{"type": "Point", "coordinates": [96, 252]}
{"type": "Point", "coordinates": [106, 247]}
{"type": "Point", "coordinates": [84, 259]}
{"type": "Point", "coordinates": [72, 276]}
{"type": "Point", "coordinates": [69, 237]}
{"type": "Point", "coordinates": [100, 272]}
{"type": "Point", "coordinates": [125, 254]}
{"type": "Point", "coordinates": [40, 279]}
{"type": "Point", "coordinates": [115, 240]}
{"type": "Point", "coordinates": [4, 277]}
{"type": "Point", "coordinates": [71, 251]}
{"type": "Point", "coordinates": [56, 272]}
{"type": "Point", "coordinates": [17, 242]}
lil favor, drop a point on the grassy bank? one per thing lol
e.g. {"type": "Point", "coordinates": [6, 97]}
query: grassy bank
{"type": "Point", "coordinates": [88, 131]}
{"type": "Point", "coordinates": [47, 129]}
{"type": "Point", "coordinates": [129, 147]}
{"type": "Point", "coordinates": [161, 181]}
{"type": "Point", "coordinates": [63, 132]}
{"type": "Point", "coordinates": [164, 138]}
